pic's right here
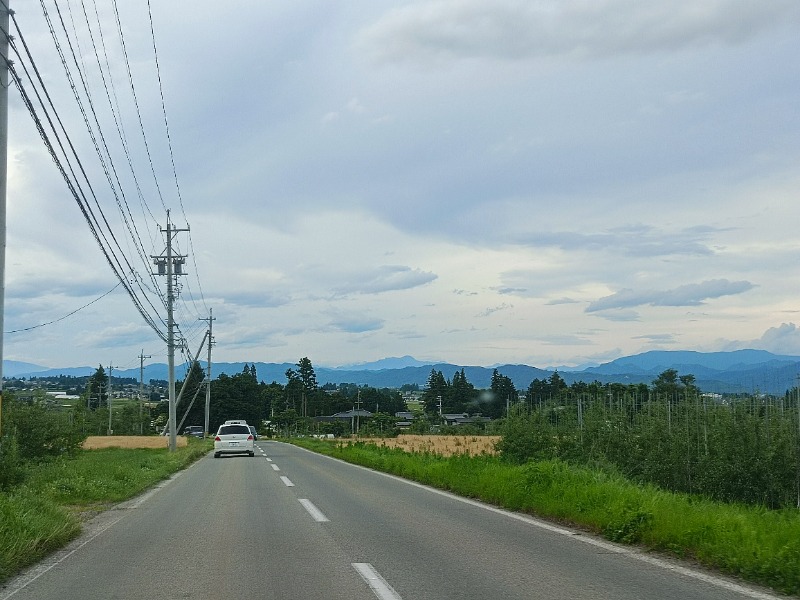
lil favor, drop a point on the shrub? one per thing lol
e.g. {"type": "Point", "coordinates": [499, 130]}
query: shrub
{"type": "Point", "coordinates": [11, 472]}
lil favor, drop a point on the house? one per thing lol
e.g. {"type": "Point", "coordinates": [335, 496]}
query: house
{"type": "Point", "coordinates": [464, 419]}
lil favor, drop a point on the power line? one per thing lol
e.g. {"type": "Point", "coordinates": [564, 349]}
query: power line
{"type": "Point", "coordinates": [94, 224]}
{"type": "Point", "coordinates": [66, 316]}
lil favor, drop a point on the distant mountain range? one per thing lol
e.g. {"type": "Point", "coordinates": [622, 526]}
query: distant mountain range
{"type": "Point", "coordinates": [723, 372]}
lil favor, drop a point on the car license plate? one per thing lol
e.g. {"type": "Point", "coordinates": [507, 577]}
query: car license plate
{"type": "Point", "coordinates": [233, 443]}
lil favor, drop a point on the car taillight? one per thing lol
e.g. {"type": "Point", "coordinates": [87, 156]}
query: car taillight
{"type": "Point", "coordinates": [216, 439]}
{"type": "Point", "coordinates": [249, 437]}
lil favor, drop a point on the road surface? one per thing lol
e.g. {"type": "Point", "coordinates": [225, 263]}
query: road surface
{"type": "Point", "coordinates": [290, 524]}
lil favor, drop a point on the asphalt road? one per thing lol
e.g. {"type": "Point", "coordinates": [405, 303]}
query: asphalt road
{"type": "Point", "coordinates": [290, 524]}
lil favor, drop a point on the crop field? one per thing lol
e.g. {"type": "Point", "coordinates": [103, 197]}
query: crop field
{"type": "Point", "coordinates": [96, 442]}
{"type": "Point", "coordinates": [443, 445]}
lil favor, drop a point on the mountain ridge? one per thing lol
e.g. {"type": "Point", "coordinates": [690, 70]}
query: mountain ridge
{"type": "Point", "coordinates": [724, 372]}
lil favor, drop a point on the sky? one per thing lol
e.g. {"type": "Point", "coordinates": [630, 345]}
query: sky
{"type": "Point", "coordinates": [480, 182]}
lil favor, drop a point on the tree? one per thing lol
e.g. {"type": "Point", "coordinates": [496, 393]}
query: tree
{"type": "Point", "coordinates": [503, 393]}
{"type": "Point", "coordinates": [437, 389]}
{"type": "Point", "coordinates": [98, 389]}
{"type": "Point", "coordinates": [463, 393]}
{"type": "Point", "coordinates": [307, 376]}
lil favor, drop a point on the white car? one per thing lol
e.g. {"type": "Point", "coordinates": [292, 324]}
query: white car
{"type": "Point", "coordinates": [234, 439]}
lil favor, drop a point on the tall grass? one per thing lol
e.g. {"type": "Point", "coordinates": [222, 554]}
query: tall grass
{"type": "Point", "coordinates": [44, 513]}
{"type": "Point", "coordinates": [760, 545]}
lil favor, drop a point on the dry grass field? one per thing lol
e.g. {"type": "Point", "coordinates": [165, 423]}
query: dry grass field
{"type": "Point", "coordinates": [444, 445]}
{"type": "Point", "coordinates": [95, 442]}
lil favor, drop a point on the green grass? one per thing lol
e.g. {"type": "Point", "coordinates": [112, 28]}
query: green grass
{"type": "Point", "coordinates": [44, 513]}
{"type": "Point", "coordinates": [756, 544]}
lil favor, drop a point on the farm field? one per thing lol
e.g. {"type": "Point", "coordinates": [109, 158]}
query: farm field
{"type": "Point", "coordinates": [443, 445]}
{"type": "Point", "coordinates": [97, 442]}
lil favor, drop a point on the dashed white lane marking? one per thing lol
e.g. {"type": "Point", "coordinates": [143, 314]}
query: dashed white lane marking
{"type": "Point", "coordinates": [268, 459]}
{"type": "Point", "coordinates": [275, 467]}
{"type": "Point", "coordinates": [286, 481]}
{"type": "Point", "coordinates": [378, 584]}
{"type": "Point", "coordinates": [315, 513]}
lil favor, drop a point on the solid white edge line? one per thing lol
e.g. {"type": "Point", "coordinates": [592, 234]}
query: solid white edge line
{"type": "Point", "coordinates": [582, 537]}
{"type": "Point", "coordinates": [275, 467]}
{"type": "Point", "coordinates": [315, 513]}
{"type": "Point", "coordinates": [378, 584]}
{"type": "Point", "coordinates": [286, 481]}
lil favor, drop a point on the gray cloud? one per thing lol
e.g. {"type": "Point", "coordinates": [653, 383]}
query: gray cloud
{"type": "Point", "coordinates": [784, 339]}
{"type": "Point", "coordinates": [565, 340]}
{"type": "Point", "coordinates": [661, 338]}
{"type": "Point", "coordinates": [521, 29]}
{"type": "Point", "coordinates": [633, 240]}
{"type": "Point", "coordinates": [494, 309]}
{"type": "Point", "coordinates": [558, 301]}
{"type": "Point", "coordinates": [356, 324]}
{"type": "Point", "coordinates": [384, 279]}
{"type": "Point", "coordinates": [693, 294]}
{"type": "Point", "coordinates": [254, 298]}
{"type": "Point", "coordinates": [617, 315]}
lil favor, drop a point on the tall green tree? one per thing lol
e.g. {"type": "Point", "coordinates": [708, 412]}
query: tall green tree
{"type": "Point", "coordinates": [437, 389]}
{"type": "Point", "coordinates": [463, 394]}
{"type": "Point", "coordinates": [97, 389]}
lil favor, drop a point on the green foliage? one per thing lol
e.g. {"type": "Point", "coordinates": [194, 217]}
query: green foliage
{"type": "Point", "coordinates": [42, 432]}
{"type": "Point", "coordinates": [11, 470]}
{"type": "Point", "coordinates": [97, 389]}
{"type": "Point", "coordinates": [740, 451]}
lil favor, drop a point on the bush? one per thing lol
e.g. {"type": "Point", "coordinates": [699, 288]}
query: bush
{"type": "Point", "coordinates": [42, 432]}
{"type": "Point", "coordinates": [11, 471]}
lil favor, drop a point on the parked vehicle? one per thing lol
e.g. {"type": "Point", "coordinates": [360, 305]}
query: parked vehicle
{"type": "Point", "coordinates": [194, 431]}
{"type": "Point", "coordinates": [254, 432]}
{"type": "Point", "coordinates": [234, 439]}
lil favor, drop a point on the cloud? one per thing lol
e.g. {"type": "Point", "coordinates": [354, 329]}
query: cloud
{"type": "Point", "coordinates": [693, 294]}
{"type": "Point", "coordinates": [258, 299]}
{"type": "Point", "coordinates": [385, 279]}
{"type": "Point", "coordinates": [617, 315]}
{"type": "Point", "coordinates": [507, 290]}
{"type": "Point", "coordinates": [632, 240]}
{"type": "Point", "coordinates": [491, 311]}
{"type": "Point", "coordinates": [356, 323]}
{"type": "Point", "coordinates": [784, 339]}
{"type": "Point", "coordinates": [565, 340]}
{"type": "Point", "coordinates": [558, 301]}
{"type": "Point", "coordinates": [660, 338]}
{"type": "Point", "coordinates": [522, 29]}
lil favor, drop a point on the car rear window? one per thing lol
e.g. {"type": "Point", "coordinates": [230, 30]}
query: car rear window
{"type": "Point", "coordinates": [229, 429]}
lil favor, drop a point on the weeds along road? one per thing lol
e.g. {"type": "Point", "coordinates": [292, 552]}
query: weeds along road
{"type": "Point", "coordinates": [290, 524]}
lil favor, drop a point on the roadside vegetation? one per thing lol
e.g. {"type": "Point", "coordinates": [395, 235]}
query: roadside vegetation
{"type": "Point", "coordinates": [44, 511]}
{"type": "Point", "coordinates": [751, 542]}
{"type": "Point", "coordinates": [49, 484]}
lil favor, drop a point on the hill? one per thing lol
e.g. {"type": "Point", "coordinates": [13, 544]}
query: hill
{"type": "Point", "coordinates": [723, 372]}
